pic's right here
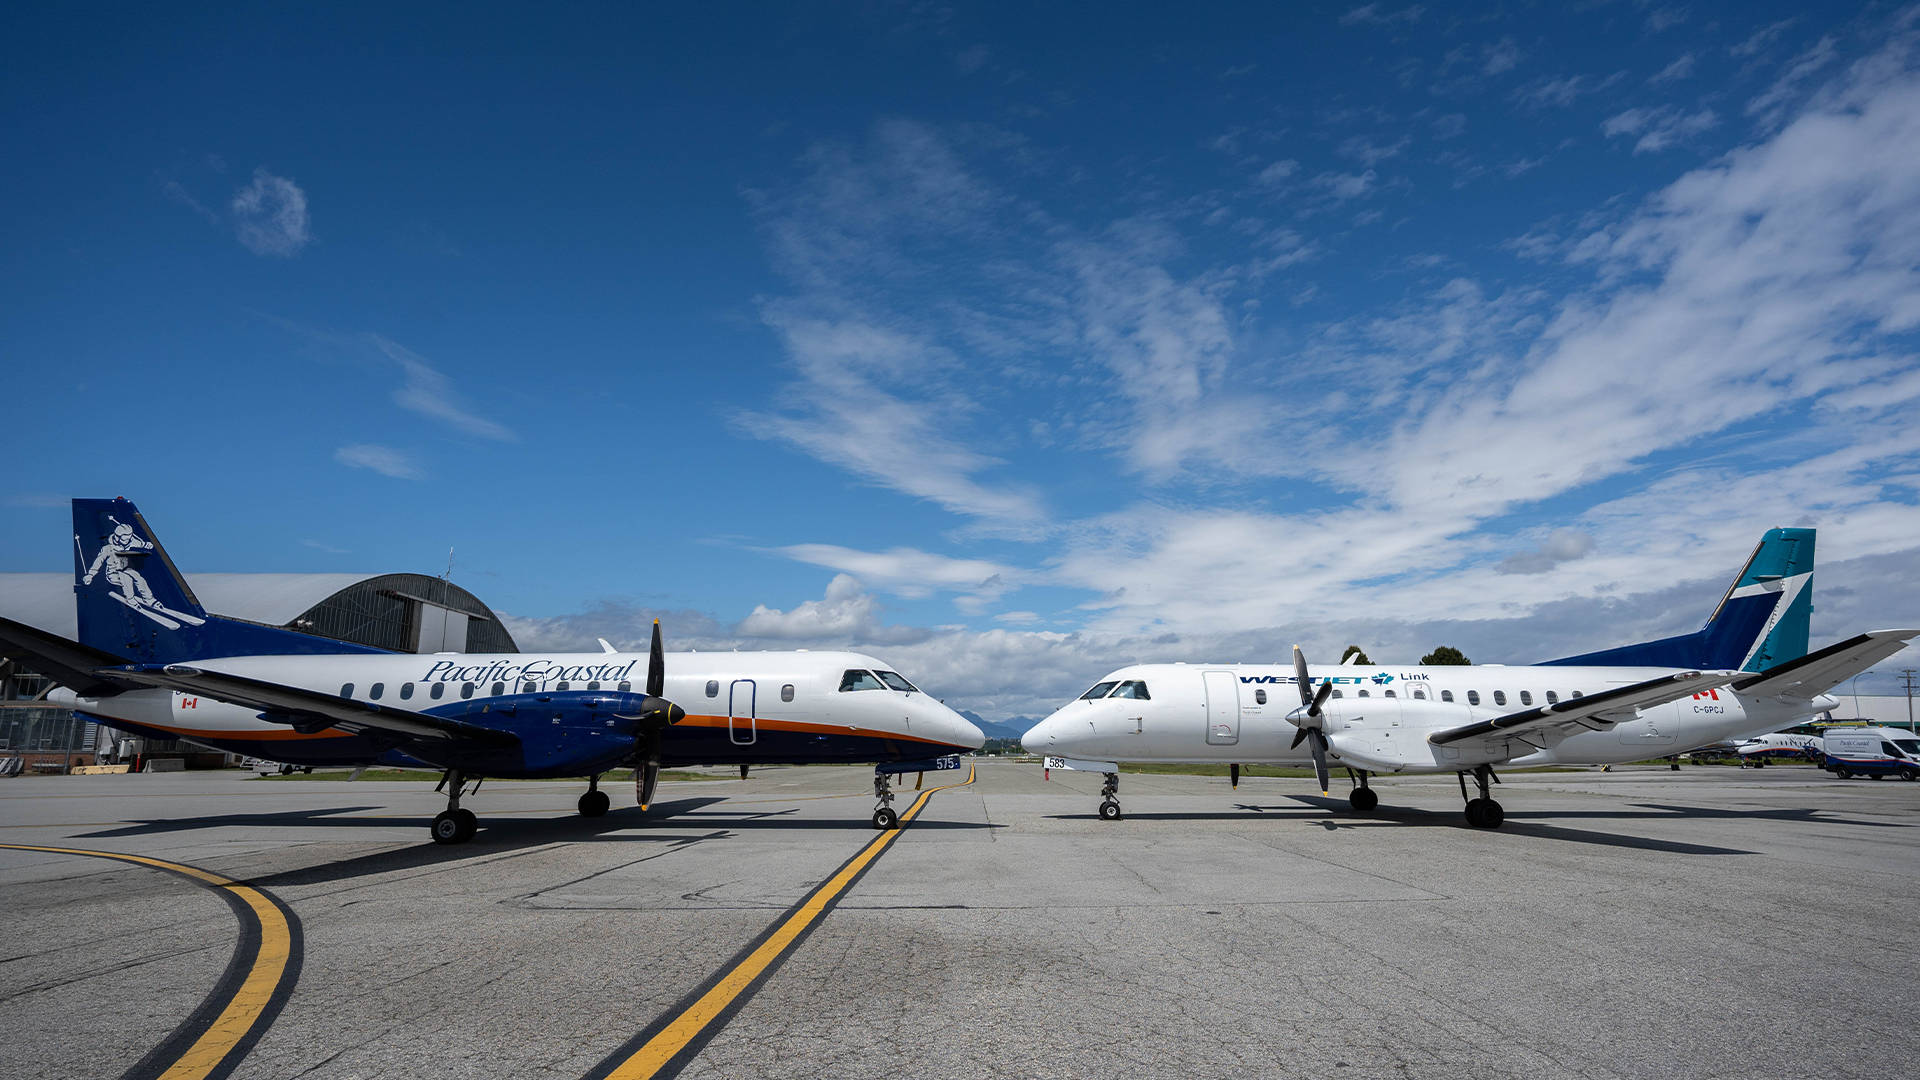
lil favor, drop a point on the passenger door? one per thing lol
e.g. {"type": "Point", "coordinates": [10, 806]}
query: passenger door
{"type": "Point", "coordinates": [740, 710]}
{"type": "Point", "coordinates": [1223, 707]}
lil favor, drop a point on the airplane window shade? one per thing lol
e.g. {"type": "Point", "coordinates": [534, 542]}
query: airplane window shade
{"type": "Point", "coordinates": [1099, 691]}
{"type": "Point", "coordinates": [1260, 696]}
{"type": "Point", "coordinates": [1446, 695]}
{"type": "Point", "coordinates": [1133, 688]}
{"type": "Point", "coordinates": [1526, 697]}
{"type": "Point", "coordinates": [406, 690]}
{"type": "Point", "coordinates": [856, 679]}
{"type": "Point", "coordinates": [1473, 697]}
{"type": "Point", "coordinates": [894, 680]}
{"type": "Point", "coordinates": [346, 691]}
{"type": "Point", "coordinates": [1499, 697]}
{"type": "Point", "coordinates": [374, 691]}
{"type": "Point", "coordinates": [786, 692]}
{"type": "Point", "coordinates": [437, 691]}
{"type": "Point", "coordinates": [713, 688]}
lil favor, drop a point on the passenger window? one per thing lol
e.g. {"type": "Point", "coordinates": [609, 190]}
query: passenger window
{"type": "Point", "coordinates": [1134, 689]}
{"type": "Point", "coordinates": [593, 686]}
{"type": "Point", "coordinates": [1553, 698]}
{"type": "Point", "coordinates": [1576, 693]}
{"type": "Point", "coordinates": [1473, 697]}
{"type": "Point", "coordinates": [625, 688]}
{"type": "Point", "coordinates": [713, 688]}
{"type": "Point", "coordinates": [1099, 691]}
{"type": "Point", "coordinates": [466, 690]}
{"type": "Point", "coordinates": [406, 690]}
{"type": "Point", "coordinates": [1419, 693]}
{"type": "Point", "coordinates": [374, 691]}
{"type": "Point", "coordinates": [1260, 697]}
{"type": "Point", "coordinates": [499, 688]}
{"type": "Point", "coordinates": [1363, 693]}
{"type": "Point", "coordinates": [859, 680]}
{"type": "Point", "coordinates": [1337, 693]}
{"type": "Point", "coordinates": [559, 687]}
{"type": "Point", "coordinates": [529, 687]}
{"type": "Point", "coordinates": [1526, 697]}
{"type": "Point", "coordinates": [437, 691]}
{"type": "Point", "coordinates": [1499, 697]}
{"type": "Point", "coordinates": [894, 681]}
{"type": "Point", "coordinates": [1446, 695]}
{"type": "Point", "coordinates": [786, 692]}
{"type": "Point", "coordinates": [1390, 693]}
{"type": "Point", "coordinates": [346, 691]}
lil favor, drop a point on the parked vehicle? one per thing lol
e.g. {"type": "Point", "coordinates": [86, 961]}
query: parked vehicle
{"type": "Point", "coordinates": [1872, 752]}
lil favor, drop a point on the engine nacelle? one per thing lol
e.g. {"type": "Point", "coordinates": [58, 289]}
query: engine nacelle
{"type": "Point", "coordinates": [1390, 734]}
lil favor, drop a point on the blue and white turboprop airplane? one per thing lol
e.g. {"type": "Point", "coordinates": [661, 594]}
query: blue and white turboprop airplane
{"type": "Point", "coordinates": [1745, 672]}
{"type": "Point", "coordinates": [152, 661]}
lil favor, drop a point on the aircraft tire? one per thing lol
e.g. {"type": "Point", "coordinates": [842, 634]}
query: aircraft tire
{"type": "Point", "coordinates": [1109, 811]}
{"type": "Point", "coordinates": [884, 818]}
{"type": "Point", "coordinates": [1492, 815]}
{"type": "Point", "coordinates": [468, 824]}
{"type": "Point", "coordinates": [1363, 800]}
{"type": "Point", "coordinates": [594, 804]}
{"type": "Point", "coordinates": [448, 828]}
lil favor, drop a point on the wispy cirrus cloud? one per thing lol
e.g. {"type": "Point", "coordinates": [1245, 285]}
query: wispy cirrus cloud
{"type": "Point", "coordinates": [384, 460]}
{"type": "Point", "coordinates": [430, 393]}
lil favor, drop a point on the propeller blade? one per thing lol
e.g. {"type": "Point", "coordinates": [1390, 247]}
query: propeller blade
{"type": "Point", "coordinates": [1298, 738]}
{"type": "Point", "coordinates": [645, 779]}
{"type": "Point", "coordinates": [1320, 698]}
{"type": "Point", "coordinates": [1319, 744]}
{"type": "Point", "coordinates": [656, 665]}
{"type": "Point", "coordinates": [1300, 676]}
{"type": "Point", "coordinates": [1235, 770]}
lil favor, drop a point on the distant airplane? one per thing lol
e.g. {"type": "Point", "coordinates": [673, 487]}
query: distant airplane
{"type": "Point", "coordinates": [1780, 744]}
{"type": "Point", "coordinates": [1746, 671]}
{"type": "Point", "coordinates": [151, 661]}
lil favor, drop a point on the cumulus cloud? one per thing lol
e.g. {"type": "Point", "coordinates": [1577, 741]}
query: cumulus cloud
{"type": "Point", "coordinates": [845, 614]}
{"type": "Point", "coordinates": [384, 460]}
{"type": "Point", "coordinates": [270, 215]}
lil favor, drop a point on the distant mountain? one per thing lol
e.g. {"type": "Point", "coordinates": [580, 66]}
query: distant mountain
{"type": "Point", "coordinates": [1011, 728]}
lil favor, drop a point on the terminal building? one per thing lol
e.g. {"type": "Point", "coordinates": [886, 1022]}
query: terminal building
{"type": "Point", "coordinates": [397, 612]}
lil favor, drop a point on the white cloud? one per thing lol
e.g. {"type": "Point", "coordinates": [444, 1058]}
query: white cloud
{"type": "Point", "coordinates": [1760, 39]}
{"type": "Point", "coordinates": [270, 215]}
{"type": "Point", "coordinates": [1681, 68]}
{"type": "Point", "coordinates": [1369, 153]}
{"type": "Point", "coordinates": [430, 393]}
{"type": "Point", "coordinates": [1560, 546]}
{"type": "Point", "coordinates": [911, 572]}
{"type": "Point", "coordinates": [1771, 105]}
{"type": "Point", "coordinates": [845, 614]}
{"type": "Point", "coordinates": [1500, 56]}
{"type": "Point", "coordinates": [1665, 18]}
{"type": "Point", "coordinates": [1379, 15]}
{"type": "Point", "coordinates": [384, 460]}
{"type": "Point", "coordinates": [1345, 186]}
{"type": "Point", "coordinates": [1659, 128]}
{"type": "Point", "coordinates": [1278, 171]}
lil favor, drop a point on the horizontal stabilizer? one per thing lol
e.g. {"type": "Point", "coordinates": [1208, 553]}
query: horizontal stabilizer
{"type": "Point", "coordinates": [1818, 672]}
{"type": "Point", "coordinates": [68, 663]}
{"type": "Point", "coordinates": [1592, 712]}
{"type": "Point", "coordinates": [300, 707]}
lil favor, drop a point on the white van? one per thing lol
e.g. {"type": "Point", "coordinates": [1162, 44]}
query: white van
{"type": "Point", "coordinates": [1872, 752]}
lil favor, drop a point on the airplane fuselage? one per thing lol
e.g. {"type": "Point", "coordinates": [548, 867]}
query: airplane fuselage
{"type": "Point", "coordinates": [1381, 716]}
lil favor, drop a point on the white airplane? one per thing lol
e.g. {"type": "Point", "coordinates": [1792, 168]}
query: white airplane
{"type": "Point", "coordinates": [152, 661]}
{"type": "Point", "coordinates": [1746, 671]}
{"type": "Point", "coordinates": [1779, 744]}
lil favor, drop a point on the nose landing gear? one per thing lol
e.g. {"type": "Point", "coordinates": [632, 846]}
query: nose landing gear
{"type": "Point", "coordinates": [1110, 798]}
{"type": "Point", "coordinates": [884, 817]}
{"type": "Point", "coordinates": [454, 825]}
{"type": "Point", "coordinates": [1483, 812]}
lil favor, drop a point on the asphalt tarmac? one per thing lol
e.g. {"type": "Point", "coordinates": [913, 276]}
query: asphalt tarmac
{"type": "Point", "coordinates": [1714, 922]}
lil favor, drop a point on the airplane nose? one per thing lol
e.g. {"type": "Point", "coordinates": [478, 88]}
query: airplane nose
{"type": "Point", "coordinates": [965, 732]}
{"type": "Point", "coordinates": [1040, 738]}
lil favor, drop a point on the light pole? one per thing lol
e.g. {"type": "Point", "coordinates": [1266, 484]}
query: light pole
{"type": "Point", "coordinates": [1906, 680]}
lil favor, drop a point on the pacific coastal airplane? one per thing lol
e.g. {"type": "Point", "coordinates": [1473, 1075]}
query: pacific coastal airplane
{"type": "Point", "coordinates": [1744, 673]}
{"type": "Point", "coordinates": [153, 662]}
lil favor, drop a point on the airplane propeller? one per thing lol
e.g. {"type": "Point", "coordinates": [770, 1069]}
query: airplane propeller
{"type": "Point", "coordinates": [1309, 719]}
{"type": "Point", "coordinates": [656, 712]}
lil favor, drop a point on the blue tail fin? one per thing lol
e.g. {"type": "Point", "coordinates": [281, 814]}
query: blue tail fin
{"type": "Point", "coordinates": [132, 601]}
{"type": "Point", "coordinates": [1761, 621]}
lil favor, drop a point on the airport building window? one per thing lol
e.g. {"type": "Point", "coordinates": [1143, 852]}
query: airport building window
{"type": "Point", "coordinates": [346, 691]}
{"type": "Point", "coordinates": [499, 688]}
{"type": "Point", "coordinates": [374, 691]}
{"type": "Point", "coordinates": [859, 680]}
{"type": "Point", "coordinates": [895, 680]}
{"type": "Point", "coordinates": [1553, 698]}
{"type": "Point", "coordinates": [1499, 697]}
{"type": "Point", "coordinates": [713, 688]}
{"type": "Point", "coordinates": [1446, 695]}
{"type": "Point", "coordinates": [1473, 697]}
{"type": "Point", "coordinates": [625, 688]}
{"type": "Point", "coordinates": [786, 692]}
{"type": "Point", "coordinates": [1099, 690]}
{"type": "Point", "coordinates": [1526, 697]}
{"type": "Point", "coordinates": [438, 691]}
{"type": "Point", "coordinates": [1133, 688]}
{"type": "Point", "coordinates": [466, 690]}
{"type": "Point", "coordinates": [1260, 697]}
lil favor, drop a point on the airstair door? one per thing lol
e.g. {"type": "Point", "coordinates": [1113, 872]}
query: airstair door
{"type": "Point", "coordinates": [740, 703]}
{"type": "Point", "coordinates": [1223, 707]}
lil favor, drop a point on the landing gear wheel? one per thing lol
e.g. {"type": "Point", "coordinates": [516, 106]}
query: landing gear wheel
{"type": "Point", "coordinates": [1485, 814]}
{"type": "Point", "coordinates": [449, 827]}
{"type": "Point", "coordinates": [468, 824]}
{"type": "Point", "coordinates": [594, 804]}
{"type": "Point", "coordinates": [1363, 800]}
{"type": "Point", "coordinates": [1109, 811]}
{"type": "Point", "coordinates": [884, 818]}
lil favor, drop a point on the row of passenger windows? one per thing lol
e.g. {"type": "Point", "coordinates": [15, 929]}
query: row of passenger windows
{"type": "Point", "coordinates": [1420, 693]}
{"type": "Point", "coordinates": [438, 690]}
{"type": "Point", "coordinates": [713, 690]}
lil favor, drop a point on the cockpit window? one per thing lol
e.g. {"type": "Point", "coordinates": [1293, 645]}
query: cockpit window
{"type": "Point", "coordinates": [1099, 691]}
{"type": "Point", "coordinates": [1133, 688]}
{"type": "Point", "coordinates": [894, 680]}
{"type": "Point", "coordinates": [859, 680]}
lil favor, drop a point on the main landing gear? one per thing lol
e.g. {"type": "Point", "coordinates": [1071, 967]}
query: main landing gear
{"type": "Point", "coordinates": [884, 817]}
{"type": "Point", "coordinates": [1110, 798]}
{"type": "Point", "coordinates": [1362, 798]}
{"type": "Point", "coordinates": [1483, 812]}
{"type": "Point", "coordinates": [454, 825]}
{"type": "Point", "coordinates": [595, 802]}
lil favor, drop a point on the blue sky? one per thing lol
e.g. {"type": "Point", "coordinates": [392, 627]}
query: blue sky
{"type": "Point", "coordinates": [1010, 344]}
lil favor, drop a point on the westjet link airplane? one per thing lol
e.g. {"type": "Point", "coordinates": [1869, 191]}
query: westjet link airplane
{"type": "Point", "coordinates": [152, 661]}
{"type": "Point", "coordinates": [1745, 672]}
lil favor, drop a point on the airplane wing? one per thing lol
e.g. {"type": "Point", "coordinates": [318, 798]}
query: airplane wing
{"type": "Point", "coordinates": [302, 708]}
{"type": "Point", "coordinates": [1820, 671]}
{"type": "Point", "coordinates": [1594, 712]}
{"type": "Point", "coordinates": [69, 663]}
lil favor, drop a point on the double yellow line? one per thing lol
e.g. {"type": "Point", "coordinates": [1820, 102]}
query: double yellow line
{"type": "Point", "coordinates": [676, 1041]}
{"type": "Point", "coordinates": [233, 1016]}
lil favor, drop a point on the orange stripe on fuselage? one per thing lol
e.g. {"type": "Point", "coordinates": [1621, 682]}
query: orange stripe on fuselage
{"type": "Point", "coordinates": [765, 723]}
{"type": "Point", "coordinates": [262, 735]}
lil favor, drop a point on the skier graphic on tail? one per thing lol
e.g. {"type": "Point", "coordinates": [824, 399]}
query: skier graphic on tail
{"type": "Point", "coordinates": [116, 557]}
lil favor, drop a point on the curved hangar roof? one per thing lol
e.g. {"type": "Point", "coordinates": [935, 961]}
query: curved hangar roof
{"type": "Point", "coordinates": [402, 612]}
